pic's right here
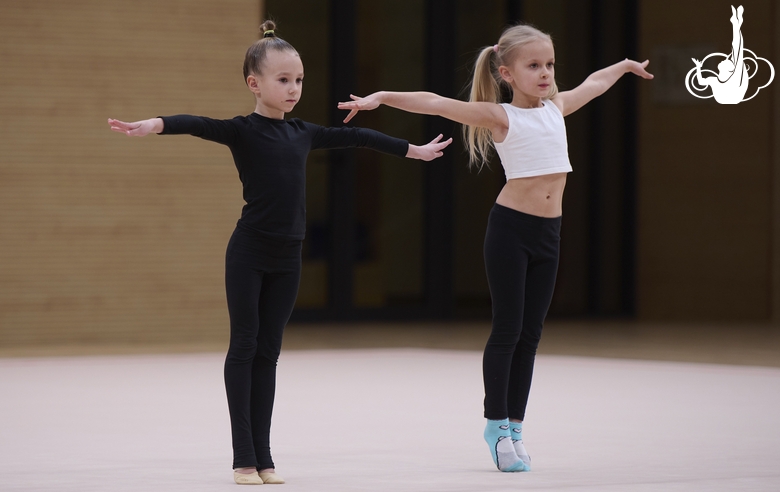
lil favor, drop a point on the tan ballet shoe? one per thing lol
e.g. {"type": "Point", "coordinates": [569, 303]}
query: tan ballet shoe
{"type": "Point", "coordinates": [247, 478]}
{"type": "Point", "coordinates": [270, 477]}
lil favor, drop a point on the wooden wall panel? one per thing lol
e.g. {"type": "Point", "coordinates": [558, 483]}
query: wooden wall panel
{"type": "Point", "coordinates": [704, 173]}
{"type": "Point", "coordinates": [103, 237]}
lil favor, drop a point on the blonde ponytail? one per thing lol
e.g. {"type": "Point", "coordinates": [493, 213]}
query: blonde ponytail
{"type": "Point", "coordinates": [484, 88]}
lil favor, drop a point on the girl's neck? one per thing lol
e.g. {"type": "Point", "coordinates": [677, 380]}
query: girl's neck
{"type": "Point", "coordinates": [521, 100]}
{"type": "Point", "coordinates": [264, 110]}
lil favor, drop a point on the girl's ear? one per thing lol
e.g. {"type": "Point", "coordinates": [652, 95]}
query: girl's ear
{"type": "Point", "coordinates": [251, 82]}
{"type": "Point", "coordinates": [504, 73]}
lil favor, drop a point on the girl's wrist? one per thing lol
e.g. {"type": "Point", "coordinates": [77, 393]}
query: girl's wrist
{"type": "Point", "coordinates": [158, 125]}
{"type": "Point", "coordinates": [411, 153]}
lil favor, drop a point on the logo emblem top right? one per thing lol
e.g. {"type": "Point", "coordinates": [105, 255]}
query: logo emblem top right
{"type": "Point", "coordinates": [730, 84]}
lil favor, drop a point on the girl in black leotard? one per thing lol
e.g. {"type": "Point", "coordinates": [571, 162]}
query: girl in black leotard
{"type": "Point", "coordinates": [263, 261]}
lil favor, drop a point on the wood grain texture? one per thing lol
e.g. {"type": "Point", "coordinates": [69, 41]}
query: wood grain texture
{"type": "Point", "coordinates": [103, 236]}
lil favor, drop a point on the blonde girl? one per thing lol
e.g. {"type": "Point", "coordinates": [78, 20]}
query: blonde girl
{"type": "Point", "coordinates": [263, 260]}
{"type": "Point", "coordinates": [523, 232]}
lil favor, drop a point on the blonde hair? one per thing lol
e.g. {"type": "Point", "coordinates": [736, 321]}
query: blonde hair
{"type": "Point", "coordinates": [486, 84]}
{"type": "Point", "coordinates": [257, 53]}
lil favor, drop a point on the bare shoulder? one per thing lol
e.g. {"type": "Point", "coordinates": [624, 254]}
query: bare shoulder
{"type": "Point", "coordinates": [491, 115]}
{"type": "Point", "coordinates": [500, 120]}
{"type": "Point", "coordinates": [471, 113]}
{"type": "Point", "coordinates": [500, 129]}
{"type": "Point", "coordinates": [559, 101]}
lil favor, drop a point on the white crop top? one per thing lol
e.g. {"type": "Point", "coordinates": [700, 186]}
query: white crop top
{"type": "Point", "coordinates": [535, 143]}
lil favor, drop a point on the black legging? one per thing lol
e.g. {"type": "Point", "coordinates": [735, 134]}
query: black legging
{"type": "Point", "coordinates": [521, 261]}
{"type": "Point", "coordinates": [261, 279]}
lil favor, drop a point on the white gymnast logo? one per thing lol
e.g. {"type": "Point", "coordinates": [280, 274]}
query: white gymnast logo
{"type": "Point", "coordinates": [731, 83]}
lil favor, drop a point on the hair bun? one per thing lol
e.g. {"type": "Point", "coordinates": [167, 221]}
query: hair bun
{"type": "Point", "coordinates": [267, 28]}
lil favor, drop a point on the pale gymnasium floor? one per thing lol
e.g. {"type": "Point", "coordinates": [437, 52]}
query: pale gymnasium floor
{"type": "Point", "coordinates": [614, 407]}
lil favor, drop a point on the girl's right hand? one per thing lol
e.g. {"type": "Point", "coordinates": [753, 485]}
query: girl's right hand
{"type": "Point", "coordinates": [360, 103]}
{"type": "Point", "coordinates": [639, 68]}
{"type": "Point", "coordinates": [430, 151]}
{"type": "Point", "coordinates": [137, 128]}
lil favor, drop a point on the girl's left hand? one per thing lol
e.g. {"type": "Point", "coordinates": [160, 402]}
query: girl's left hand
{"type": "Point", "coordinates": [137, 128]}
{"type": "Point", "coordinates": [429, 151]}
{"type": "Point", "coordinates": [359, 103]}
{"type": "Point", "coordinates": [639, 68]}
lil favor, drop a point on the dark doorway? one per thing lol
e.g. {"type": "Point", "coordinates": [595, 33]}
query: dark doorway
{"type": "Point", "coordinates": [390, 238]}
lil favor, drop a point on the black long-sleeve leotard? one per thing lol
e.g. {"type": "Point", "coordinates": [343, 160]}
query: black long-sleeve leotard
{"type": "Point", "coordinates": [270, 156]}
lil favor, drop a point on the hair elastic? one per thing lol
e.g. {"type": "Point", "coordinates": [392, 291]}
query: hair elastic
{"type": "Point", "coordinates": [495, 48]}
{"type": "Point", "coordinates": [268, 34]}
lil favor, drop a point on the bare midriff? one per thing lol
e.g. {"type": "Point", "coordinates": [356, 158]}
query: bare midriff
{"type": "Point", "coordinates": [538, 195]}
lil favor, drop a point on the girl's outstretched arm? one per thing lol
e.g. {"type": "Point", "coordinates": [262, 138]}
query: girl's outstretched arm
{"type": "Point", "coordinates": [429, 151]}
{"type": "Point", "coordinates": [137, 128]}
{"type": "Point", "coordinates": [482, 114]}
{"type": "Point", "coordinates": [597, 84]}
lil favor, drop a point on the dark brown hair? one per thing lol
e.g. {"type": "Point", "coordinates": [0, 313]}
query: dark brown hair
{"type": "Point", "coordinates": [256, 54]}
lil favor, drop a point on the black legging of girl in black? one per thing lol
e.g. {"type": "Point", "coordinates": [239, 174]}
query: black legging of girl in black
{"type": "Point", "coordinates": [262, 275]}
{"type": "Point", "coordinates": [521, 262]}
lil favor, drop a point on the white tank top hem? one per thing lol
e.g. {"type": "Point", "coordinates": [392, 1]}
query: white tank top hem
{"type": "Point", "coordinates": [535, 143]}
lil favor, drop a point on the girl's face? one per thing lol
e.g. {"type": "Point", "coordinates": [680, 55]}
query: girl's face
{"type": "Point", "coordinates": [278, 89]}
{"type": "Point", "coordinates": [531, 73]}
